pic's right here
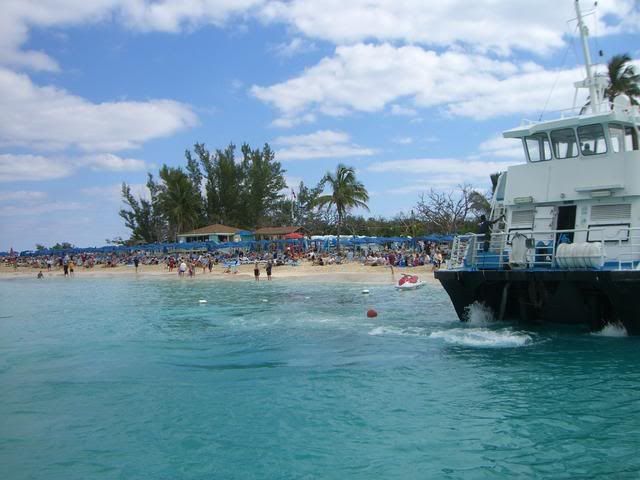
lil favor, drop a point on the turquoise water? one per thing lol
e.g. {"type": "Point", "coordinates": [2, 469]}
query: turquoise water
{"type": "Point", "coordinates": [126, 378]}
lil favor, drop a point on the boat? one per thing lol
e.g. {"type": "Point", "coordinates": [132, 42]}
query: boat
{"type": "Point", "coordinates": [565, 242]}
{"type": "Point", "coordinates": [409, 282]}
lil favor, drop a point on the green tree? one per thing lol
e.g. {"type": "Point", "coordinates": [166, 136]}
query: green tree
{"type": "Point", "coordinates": [63, 246]}
{"type": "Point", "coordinates": [623, 79]}
{"type": "Point", "coordinates": [263, 182]}
{"type": "Point", "coordinates": [141, 217]}
{"type": "Point", "coordinates": [229, 186]}
{"type": "Point", "coordinates": [178, 200]}
{"type": "Point", "coordinates": [346, 193]}
{"type": "Point", "coordinates": [224, 184]}
{"type": "Point", "coordinates": [300, 211]}
{"type": "Point", "coordinates": [39, 247]}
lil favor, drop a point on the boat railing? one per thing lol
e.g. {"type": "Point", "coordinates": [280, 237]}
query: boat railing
{"type": "Point", "coordinates": [611, 248]}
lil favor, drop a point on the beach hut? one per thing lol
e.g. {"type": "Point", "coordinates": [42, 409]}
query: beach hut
{"type": "Point", "coordinates": [211, 233]}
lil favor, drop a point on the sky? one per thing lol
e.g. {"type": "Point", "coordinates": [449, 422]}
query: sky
{"type": "Point", "coordinates": [413, 94]}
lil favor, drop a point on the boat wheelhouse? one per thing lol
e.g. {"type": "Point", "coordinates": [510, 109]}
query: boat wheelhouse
{"type": "Point", "coordinates": [566, 243]}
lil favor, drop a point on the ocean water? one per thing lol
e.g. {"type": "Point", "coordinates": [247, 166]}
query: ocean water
{"type": "Point", "coordinates": [134, 378]}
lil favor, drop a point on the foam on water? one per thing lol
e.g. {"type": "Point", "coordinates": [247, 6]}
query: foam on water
{"type": "Point", "coordinates": [612, 330]}
{"type": "Point", "coordinates": [483, 337]}
{"type": "Point", "coordinates": [389, 330]}
{"type": "Point", "coordinates": [479, 314]}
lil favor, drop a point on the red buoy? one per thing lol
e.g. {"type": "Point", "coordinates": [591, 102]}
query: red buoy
{"type": "Point", "coordinates": [372, 313]}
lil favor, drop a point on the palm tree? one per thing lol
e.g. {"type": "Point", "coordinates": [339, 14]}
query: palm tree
{"type": "Point", "coordinates": [622, 79]}
{"type": "Point", "coordinates": [347, 193]}
{"type": "Point", "coordinates": [178, 199]}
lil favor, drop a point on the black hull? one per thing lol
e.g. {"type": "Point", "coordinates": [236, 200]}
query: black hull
{"type": "Point", "coordinates": [592, 298]}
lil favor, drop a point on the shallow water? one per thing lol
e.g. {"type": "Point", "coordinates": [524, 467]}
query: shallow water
{"type": "Point", "coordinates": [126, 378]}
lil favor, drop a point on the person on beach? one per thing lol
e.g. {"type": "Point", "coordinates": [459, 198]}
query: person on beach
{"type": "Point", "coordinates": [40, 275]}
{"type": "Point", "coordinates": [269, 267]}
{"type": "Point", "coordinates": [72, 267]}
{"type": "Point", "coordinates": [182, 269]}
{"type": "Point", "coordinates": [256, 271]}
{"type": "Point", "coordinates": [65, 265]}
{"type": "Point", "coordinates": [136, 262]}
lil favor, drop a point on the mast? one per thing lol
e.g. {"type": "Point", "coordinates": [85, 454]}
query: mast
{"type": "Point", "coordinates": [584, 32]}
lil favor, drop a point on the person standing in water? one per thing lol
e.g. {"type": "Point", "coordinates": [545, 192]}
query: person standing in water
{"type": "Point", "coordinates": [256, 271]}
{"type": "Point", "coordinates": [136, 262]}
{"type": "Point", "coordinates": [269, 267]}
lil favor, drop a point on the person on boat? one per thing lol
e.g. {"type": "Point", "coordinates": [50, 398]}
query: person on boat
{"type": "Point", "coordinates": [484, 228]}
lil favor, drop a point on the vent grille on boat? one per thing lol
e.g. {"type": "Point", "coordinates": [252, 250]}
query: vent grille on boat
{"type": "Point", "coordinates": [522, 218]}
{"type": "Point", "coordinates": [621, 211]}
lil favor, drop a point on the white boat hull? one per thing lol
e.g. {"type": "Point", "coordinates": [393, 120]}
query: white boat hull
{"type": "Point", "coordinates": [411, 286]}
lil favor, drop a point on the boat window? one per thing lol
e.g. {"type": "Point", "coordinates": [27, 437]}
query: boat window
{"type": "Point", "coordinates": [630, 139]}
{"type": "Point", "coordinates": [616, 135]}
{"type": "Point", "coordinates": [538, 147]}
{"type": "Point", "coordinates": [564, 143]}
{"type": "Point", "coordinates": [592, 140]}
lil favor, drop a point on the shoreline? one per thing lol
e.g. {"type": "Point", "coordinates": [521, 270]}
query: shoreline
{"type": "Point", "coordinates": [346, 273]}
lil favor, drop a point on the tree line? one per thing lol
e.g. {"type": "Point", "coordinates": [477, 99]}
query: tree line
{"type": "Point", "coordinates": [250, 192]}
{"type": "Point", "coordinates": [213, 187]}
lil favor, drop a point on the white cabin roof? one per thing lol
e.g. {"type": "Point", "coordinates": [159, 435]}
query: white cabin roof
{"type": "Point", "coordinates": [575, 121]}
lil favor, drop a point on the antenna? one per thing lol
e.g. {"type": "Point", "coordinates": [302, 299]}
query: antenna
{"type": "Point", "coordinates": [584, 32]}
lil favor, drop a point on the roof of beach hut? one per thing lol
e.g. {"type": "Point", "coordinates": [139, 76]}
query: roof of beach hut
{"type": "Point", "coordinates": [216, 228]}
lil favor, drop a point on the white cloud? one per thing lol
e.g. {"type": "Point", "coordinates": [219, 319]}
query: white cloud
{"type": "Point", "coordinates": [26, 167]}
{"type": "Point", "coordinates": [109, 161]}
{"type": "Point", "coordinates": [403, 140]}
{"type": "Point", "coordinates": [22, 196]}
{"type": "Point", "coordinates": [20, 16]}
{"type": "Point", "coordinates": [488, 25]}
{"type": "Point", "coordinates": [491, 25]}
{"type": "Point", "coordinates": [367, 78]}
{"type": "Point", "coordinates": [31, 167]}
{"type": "Point", "coordinates": [320, 144]}
{"type": "Point", "coordinates": [175, 16]}
{"type": "Point", "coordinates": [294, 47]}
{"type": "Point", "coordinates": [113, 193]}
{"type": "Point", "coordinates": [440, 173]}
{"type": "Point", "coordinates": [38, 208]}
{"type": "Point", "coordinates": [51, 118]}
{"type": "Point", "coordinates": [403, 111]}
{"type": "Point", "coordinates": [502, 147]}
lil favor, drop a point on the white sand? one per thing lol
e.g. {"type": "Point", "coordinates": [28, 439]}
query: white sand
{"type": "Point", "coordinates": [351, 272]}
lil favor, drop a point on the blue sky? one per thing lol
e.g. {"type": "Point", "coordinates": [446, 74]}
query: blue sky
{"type": "Point", "coordinates": [413, 94]}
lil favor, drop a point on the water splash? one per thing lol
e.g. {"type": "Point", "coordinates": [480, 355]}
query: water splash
{"type": "Point", "coordinates": [479, 314]}
{"type": "Point", "coordinates": [612, 330]}
{"type": "Point", "coordinates": [483, 337]}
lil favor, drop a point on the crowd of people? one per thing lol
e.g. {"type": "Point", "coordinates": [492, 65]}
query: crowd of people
{"type": "Point", "coordinates": [190, 263]}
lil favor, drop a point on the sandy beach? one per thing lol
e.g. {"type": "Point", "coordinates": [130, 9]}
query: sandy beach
{"type": "Point", "coordinates": [350, 272]}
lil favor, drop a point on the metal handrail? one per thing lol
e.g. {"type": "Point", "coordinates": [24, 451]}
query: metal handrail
{"type": "Point", "coordinates": [620, 247]}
